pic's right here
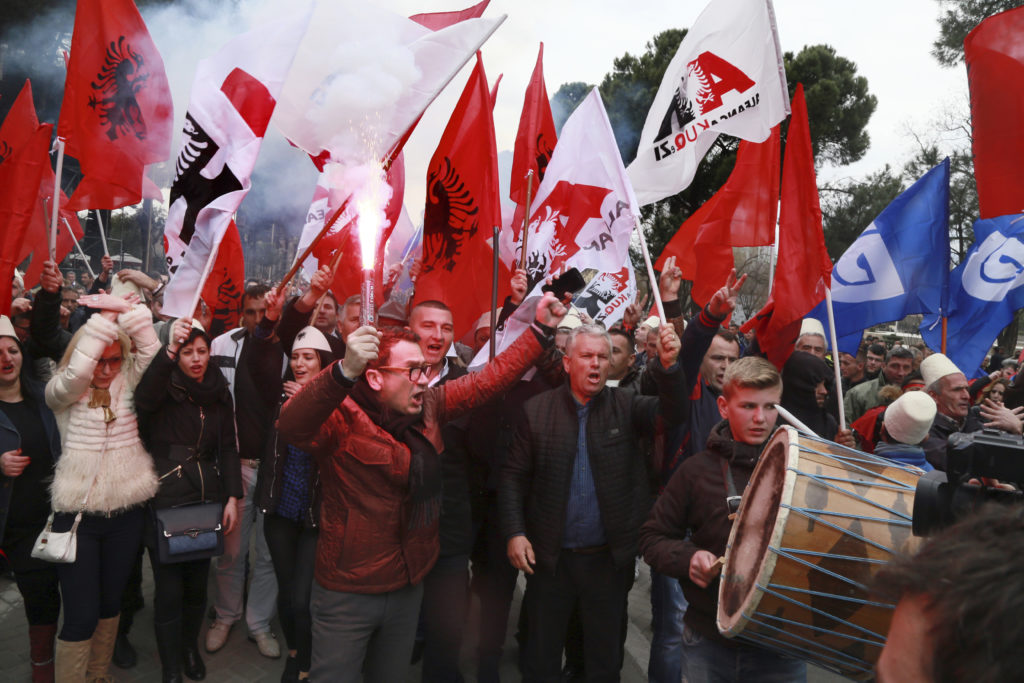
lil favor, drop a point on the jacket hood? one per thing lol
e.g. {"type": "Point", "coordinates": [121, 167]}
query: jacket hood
{"type": "Point", "coordinates": [720, 441]}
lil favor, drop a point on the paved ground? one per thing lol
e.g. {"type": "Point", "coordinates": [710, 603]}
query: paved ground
{"type": "Point", "coordinates": [240, 662]}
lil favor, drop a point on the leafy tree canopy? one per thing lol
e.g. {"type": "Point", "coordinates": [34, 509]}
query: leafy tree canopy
{"type": "Point", "coordinates": [957, 20]}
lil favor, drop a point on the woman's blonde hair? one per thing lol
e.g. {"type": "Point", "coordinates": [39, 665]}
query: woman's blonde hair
{"type": "Point", "coordinates": [122, 339]}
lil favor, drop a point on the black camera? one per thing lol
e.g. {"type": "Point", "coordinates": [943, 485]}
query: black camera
{"type": "Point", "coordinates": [945, 497]}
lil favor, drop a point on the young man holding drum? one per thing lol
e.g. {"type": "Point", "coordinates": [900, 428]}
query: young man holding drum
{"type": "Point", "coordinates": [687, 531]}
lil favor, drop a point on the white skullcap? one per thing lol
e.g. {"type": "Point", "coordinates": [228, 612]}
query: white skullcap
{"type": "Point", "coordinates": [812, 326]}
{"type": "Point", "coordinates": [483, 321]}
{"type": "Point", "coordinates": [654, 322]}
{"type": "Point", "coordinates": [935, 367]}
{"type": "Point", "coordinates": [909, 417]}
{"type": "Point", "coordinates": [7, 327]}
{"type": "Point", "coordinates": [572, 319]}
{"type": "Point", "coordinates": [121, 287]}
{"type": "Point", "coordinates": [311, 338]}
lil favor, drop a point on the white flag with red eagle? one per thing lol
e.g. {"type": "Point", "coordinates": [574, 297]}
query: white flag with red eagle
{"type": "Point", "coordinates": [233, 98]}
{"type": "Point", "coordinates": [582, 215]}
{"type": "Point", "coordinates": [726, 77]}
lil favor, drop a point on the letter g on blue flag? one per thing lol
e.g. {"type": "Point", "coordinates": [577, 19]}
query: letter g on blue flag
{"type": "Point", "coordinates": [985, 291]}
{"type": "Point", "coordinates": [898, 266]}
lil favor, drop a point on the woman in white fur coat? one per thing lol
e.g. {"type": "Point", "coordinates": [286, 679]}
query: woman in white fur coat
{"type": "Point", "coordinates": [103, 471]}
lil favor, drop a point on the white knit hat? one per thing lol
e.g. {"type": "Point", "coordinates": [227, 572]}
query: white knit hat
{"type": "Point", "coordinates": [812, 326]}
{"type": "Point", "coordinates": [909, 417]}
{"type": "Point", "coordinates": [654, 322]}
{"type": "Point", "coordinates": [571, 320]}
{"type": "Point", "coordinates": [7, 327]}
{"type": "Point", "coordinates": [311, 338]}
{"type": "Point", "coordinates": [935, 367]}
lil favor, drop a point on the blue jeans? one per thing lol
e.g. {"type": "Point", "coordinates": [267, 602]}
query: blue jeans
{"type": "Point", "coordinates": [667, 609]}
{"type": "Point", "coordinates": [707, 661]}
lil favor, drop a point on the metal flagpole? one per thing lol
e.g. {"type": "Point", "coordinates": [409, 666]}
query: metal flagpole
{"type": "Point", "coordinates": [103, 237]}
{"type": "Point", "coordinates": [81, 253]}
{"type": "Point", "coordinates": [59, 145]}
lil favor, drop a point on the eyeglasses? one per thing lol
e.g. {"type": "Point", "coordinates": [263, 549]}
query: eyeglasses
{"type": "Point", "coordinates": [414, 372]}
{"type": "Point", "coordinates": [112, 362]}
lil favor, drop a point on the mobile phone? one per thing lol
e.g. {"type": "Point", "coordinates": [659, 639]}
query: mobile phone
{"type": "Point", "coordinates": [569, 282]}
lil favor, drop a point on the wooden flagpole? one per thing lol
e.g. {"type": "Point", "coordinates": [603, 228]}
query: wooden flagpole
{"type": "Point", "coordinates": [309, 248]}
{"type": "Point", "coordinates": [526, 223]}
{"type": "Point", "coordinates": [650, 269]}
{"type": "Point", "coordinates": [494, 294]}
{"type": "Point", "coordinates": [944, 325]}
{"type": "Point", "coordinates": [835, 358]}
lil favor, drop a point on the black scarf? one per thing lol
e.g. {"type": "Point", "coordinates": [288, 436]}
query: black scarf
{"type": "Point", "coordinates": [424, 465]}
{"type": "Point", "coordinates": [205, 392]}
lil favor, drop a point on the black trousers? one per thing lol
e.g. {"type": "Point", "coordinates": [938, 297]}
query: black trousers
{"type": "Point", "coordinates": [494, 581]}
{"type": "Point", "coordinates": [292, 548]}
{"type": "Point", "coordinates": [601, 589]}
{"type": "Point", "coordinates": [91, 587]}
{"type": "Point", "coordinates": [178, 585]}
{"type": "Point", "coordinates": [36, 579]}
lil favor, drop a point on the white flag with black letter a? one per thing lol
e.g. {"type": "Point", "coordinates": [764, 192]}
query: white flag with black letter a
{"type": "Point", "coordinates": [727, 77]}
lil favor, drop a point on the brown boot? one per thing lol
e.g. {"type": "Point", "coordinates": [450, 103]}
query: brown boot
{"type": "Point", "coordinates": [103, 639]}
{"type": "Point", "coordinates": [71, 660]}
{"type": "Point", "coordinates": [40, 641]}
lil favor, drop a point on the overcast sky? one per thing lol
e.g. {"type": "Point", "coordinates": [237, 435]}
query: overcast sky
{"type": "Point", "coordinates": [888, 40]}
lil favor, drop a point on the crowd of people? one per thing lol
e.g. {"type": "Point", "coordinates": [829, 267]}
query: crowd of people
{"type": "Point", "coordinates": [368, 484]}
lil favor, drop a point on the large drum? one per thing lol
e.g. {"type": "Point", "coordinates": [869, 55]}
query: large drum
{"type": "Point", "coordinates": [817, 520]}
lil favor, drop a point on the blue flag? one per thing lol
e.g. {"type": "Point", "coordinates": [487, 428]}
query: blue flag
{"type": "Point", "coordinates": [985, 291]}
{"type": "Point", "coordinates": [898, 266]}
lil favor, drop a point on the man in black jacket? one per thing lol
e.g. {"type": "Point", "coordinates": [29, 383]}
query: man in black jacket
{"type": "Point", "coordinates": [573, 495]}
{"type": "Point", "coordinates": [689, 526]}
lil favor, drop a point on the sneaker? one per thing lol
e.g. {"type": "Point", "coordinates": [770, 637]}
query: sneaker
{"type": "Point", "coordinates": [217, 636]}
{"type": "Point", "coordinates": [267, 644]}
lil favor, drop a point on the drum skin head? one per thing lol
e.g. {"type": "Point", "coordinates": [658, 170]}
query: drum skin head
{"type": "Point", "coordinates": [760, 523]}
{"type": "Point", "coordinates": [816, 522]}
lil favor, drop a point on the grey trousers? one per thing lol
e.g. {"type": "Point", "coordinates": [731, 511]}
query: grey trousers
{"type": "Point", "coordinates": [366, 637]}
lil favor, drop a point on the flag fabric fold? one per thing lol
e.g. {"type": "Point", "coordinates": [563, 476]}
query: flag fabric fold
{"type": "Point", "coordinates": [995, 74]}
{"type": "Point", "coordinates": [436, 21]}
{"type": "Point", "coordinates": [117, 113]}
{"type": "Point", "coordinates": [727, 77]}
{"type": "Point", "coordinates": [363, 77]}
{"type": "Point", "coordinates": [985, 291]}
{"type": "Point", "coordinates": [233, 98]}
{"type": "Point", "coordinates": [899, 265]}
{"type": "Point", "coordinates": [25, 143]}
{"type": "Point", "coordinates": [803, 270]}
{"type": "Point", "coordinates": [462, 209]}
{"type": "Point", "coordinates": [583, 212]}
{"type": "Point", "coordinates": [535, 142]}
{"type": "Point", "coordinates": [741, 214]}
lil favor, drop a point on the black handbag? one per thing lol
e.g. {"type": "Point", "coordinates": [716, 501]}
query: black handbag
{"type": "Point", "coordinates": [189, 532]}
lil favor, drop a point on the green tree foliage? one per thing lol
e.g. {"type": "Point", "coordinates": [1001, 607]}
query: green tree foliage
{"type": "Point", "coordinates": [848, 207]}
{"type": "Point", "coordinates": [565, 101]}
{"type": "Point", "coordinates": [957, 20]}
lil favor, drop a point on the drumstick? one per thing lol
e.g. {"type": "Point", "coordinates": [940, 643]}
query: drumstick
{"type": "Point", "coordinates": [791, 419]}
{"type": "Point", "coordinates": [716, 569]}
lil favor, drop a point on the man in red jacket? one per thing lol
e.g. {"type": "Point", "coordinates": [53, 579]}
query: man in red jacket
{"type": "Point", "coordinates": [374, 427]}
{"type": "Point", "coordinates": [689, 526]}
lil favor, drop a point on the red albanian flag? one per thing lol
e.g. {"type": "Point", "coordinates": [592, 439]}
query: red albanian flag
{"type": "Point", "coordinates": [462, 209]}
{"type": "Point", "coordinates": [741, 214]}
{"type": "Point", "coordinates": [37, 241]}
{"type": "Point", "coordinates": [535, 142]}
{"type": "Point", "coordinates": [994, 52]}
{"type": "Point", "coordinates": [23, 156]}
{"type": "Point", "coordinates": [804, 270]}
{"type": "Point", "coordinates": [117, 113]}
{"type": "Point", "coordinates": [224, 286]}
